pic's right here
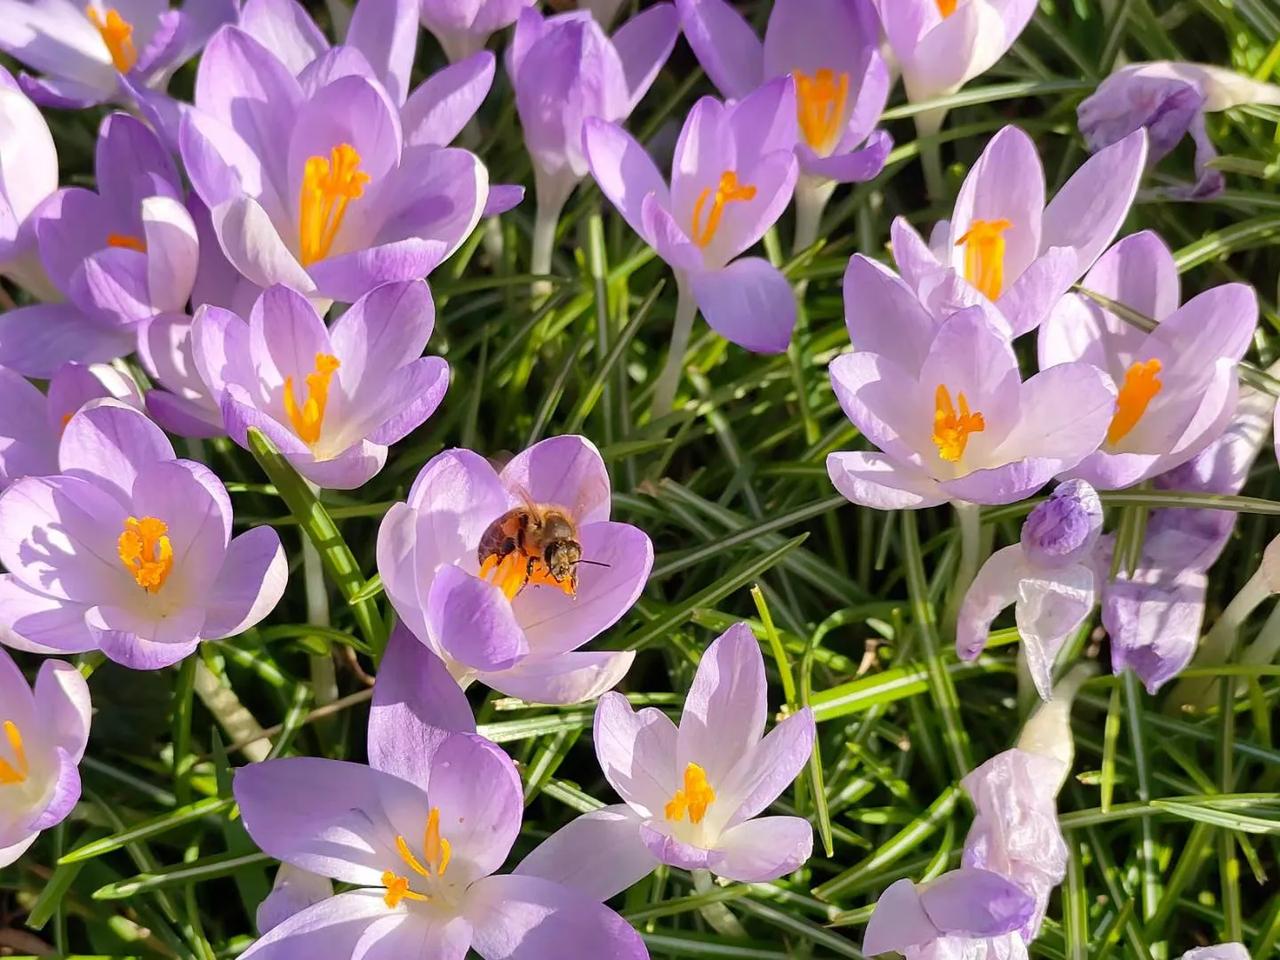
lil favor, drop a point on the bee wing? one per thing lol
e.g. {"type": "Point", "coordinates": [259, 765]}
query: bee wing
{"type": "Point", "coordinates": [530, 504]}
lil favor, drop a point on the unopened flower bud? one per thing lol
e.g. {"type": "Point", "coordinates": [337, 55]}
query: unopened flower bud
{"type": "Point", "coordinates": [1065, 527]}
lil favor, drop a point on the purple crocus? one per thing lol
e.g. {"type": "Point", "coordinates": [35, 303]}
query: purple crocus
{"type": "Point", "coordinates": [693, 793]}
{"type": "Point", "coordinates": [1004, 246]}
{"type": "Point", "coordinates": [1178, 383]}
{"type": "Point", "coordinates": [963, 913]}
{"type": "Point", "coordinates": [28, 174]}
{"type": "Point", "coordinates": [464, 26]}
{"type": "Point", "coordinates": [312, 184]}
{"type": "Point", "coordinates": [119, 256]}
{"type": "Point", "coordinates": [179, 400]}
{"type": "Point", "coordinates": [419, 834]}
{"type": "Point", "coordinates": [118, 51]}
{"type": "Point", "coordinates": [1169, 100]}
{"type": "Point", "coordinates": [44, 732]}
{"type": "Point", "coordinates": [332, 400]}
{"type": "Point", "coordinates": [31, 422]}
{"type": "Point", "coordinates": [946, 405]}
{"type": "Point", "coordinates": [129, 549]}
{"type": "Point", "coordinates": [565, 71]}
{"type": "Point", "coordinates": [1048, 577]}
{"type": "Point", "coordinates": [495, 613]}
{"type": "Point", "coordinates": [831, 49]}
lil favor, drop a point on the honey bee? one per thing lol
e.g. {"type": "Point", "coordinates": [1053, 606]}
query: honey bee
{"type": "Point", "coordinates": [532, 544]}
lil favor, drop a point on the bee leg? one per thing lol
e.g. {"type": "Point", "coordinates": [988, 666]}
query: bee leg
{"type": "Point", "coordinates": [490, 563]}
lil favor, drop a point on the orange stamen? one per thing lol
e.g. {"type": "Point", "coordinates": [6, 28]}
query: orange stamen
{"type": "Point", "coordinates": [984, 255]}
{"type": "Point", "coordinates": [947, 7]}
{"type": "Point", "coordinates": [308, 418]}
{"type": "Point", "coordinates": [728, 191]}
{"type": "Point", "coordinates": [117, 34]}
{"type": "Point", "coordinates": [820, 103]}
{"type": "Point", "coordinates": [327, 187]}
{"type": "Point", "coordinates": [1138, 390]}
{"type": "Point", "coordinates": [126, 241]}
{"type": "Point", "coordinates": [19, 770]}
{"type": "Point", "coordinates": [146, 552]}
{"type": "Point", "coordinates": [693, 798]}
{"type": "Point", "coordinates": [951, 430]}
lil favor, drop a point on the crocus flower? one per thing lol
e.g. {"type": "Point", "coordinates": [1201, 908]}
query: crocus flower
{"type": "Point", "coordinates": [311, 184]}
{"type": "Point", "coordinates": [1047, 576]}
{"type": "Point", "coordinates": [1221, 951]}
{"type": "Point", "coordinates": [1177, 384]}
{"type": "Point", "coordinates": [565, 70]}
{"type": "Point", "coordinates": [179, 400]}
{"type": "Point", "coordinates": [941, 45]}
{"type": "Point", "coordinates": [420, 834]}
{"type": "Point", "coordinates": [1169, 100]}
{"type": "Point", "coordinates": [946, 405]}
{"type": "Point", "coordinates": [31, 422]}
{"type": "Point", "coordinates": [1003, 245]}
{"type": "Point", "coordinates": [831, 49]}
{"type": "Point", "coordinates": [119, 255]}
{"type": "Point", "coordinates": [502, 618]}
{"type": "Point", "coordinates": [105, 50]}
{"type": "Point", "coordinates": [129, 549]}
{"type": "Point", "coordinates": [963, 913]}
{"type": "Point", "coordinates": [44, 735]}
{"type": "Point", "coordinates": [693, 793]}
{"type": "Point", "coordinates": [332, 400]}
{"type": "Point", "coordinates": [28, 174]}
{"type": "Point", "coordinates": [732, 176]}
{"type": "Point", "coordinates": [464, 26]}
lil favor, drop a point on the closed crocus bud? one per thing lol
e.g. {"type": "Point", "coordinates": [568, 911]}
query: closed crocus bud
{"type": "Point", "coordinates": [1063, 529]}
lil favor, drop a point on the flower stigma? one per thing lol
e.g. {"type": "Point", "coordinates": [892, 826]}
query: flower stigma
{"type": "Point", "coordinates": [126, 241]}
{"type": "Point", "coordinates": [308, 418]}
{"type": "Point", "coordinates": [19, 770]}
{"type": "Point", "coordinates": [983, 246]}
{"type": "Point", "coordinates": [693, 798]}
{"type": "Point", "coordinates": [328, 185]}
{"type": "Point", "coordinates": [727, 191]}
{"type": "Point", "coordinates": [821, 99]}
{"type": "Point", "coordinates": [146, 552]}
{"type": "Point", "coordinates": [951, 430]}
{"type": "Point", "coordinates": [117, 34]}
{"type": "Point", "coordinates": [436, 854]}
{"type": "Point", "coordinates": [947, 7]}
{"type": "Point", "coordinates": [1138, 390]}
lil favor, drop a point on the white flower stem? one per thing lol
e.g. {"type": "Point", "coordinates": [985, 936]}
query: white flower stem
{"type": "Point", "coordinates": [969, 518]}
{"type": "Point", "coordinates": [718, 915]}
{"type": "Point", "coordinates": [1048, 730]}
{"type": "Point", "coordinates": [928, 126]}
{"type": "Point", "coordinates": [553, 192]}
{"type": "Point", "coordinates": [812, 195]}
{"type": "Point", "coordinates": [664, 392]}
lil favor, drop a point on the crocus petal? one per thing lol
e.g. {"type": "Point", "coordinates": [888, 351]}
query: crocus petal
{"type": "Point", "coordinates": [473, 621]}
{"type": "Point", "coordinates": [1154, 626]}
{"type": "Point", "coordinates": [898, 922]}
{"type": "Point", "coordinates": [62, 703]}
{"type": "Point", "coordinates": [1048, 430]}
{"type": "Point", "coordinates": [381, 331]}
{"type": "Point", "coordinates": [332, 927]}
{"type": "Point", "coordinates": [749, 303]}
{"type": "Point", "coordinates": [65, 794]}
{"type": "Point", "coordinates": [442, 105]}
{"type": "Point", "coordinates": [528, 918]}
{"type": "Point", "coordinates": [1050, 607]}
{"type": "Point", "coordinates": [974, 902]}
{"type": "Point", "coordinates": [111, 443]}
{"type": "Point", "coordinates": [13, 851]}
{"type": "Point", "coordinates": [38, 339]}
{"type": "Point", "coordinates": [599, 854]}
{"type": "Point", "coordinates": [564, 678]}
{"type": "Point", "coordinates": [173, 252]}
{"type": "Point", "coordinates": [255, 248]}
{"type": "Point", "coordinates": [671, 851]}
{"type": "Point", "coordinates": [874, 480]}
{"type": "Point", "coordinates": [142, 642]}
{"type": "Point", "coordinates": [424, 382]}
{"type": "Point", "coordinates": [993, 589]}
{"type": "Point", "coordinates": [386, 32]}
{"type": "Point", "coordinates": [249, 585]}
{"type": "Point", "coordinates": [773, 764]}
{"type": "Point", "coordinates": [28, 446]}
{"type": "Point", "coordinates": [624, 170]}
{"type": "Point", "coordinates": [292, 892]}
{"type": "Point", "coordinates": [643, 44]}
{"type": "Point", "coordinates": [869, 388]}
{"type": "Point", "coordinates": [724, 712]}
{"type": "Point", "coordinates": [725, 44]}
{"type": "Point", "coordinates": [567, 471]}
{"type": "Point", "coordinates": [38, 623]}
{"type": "Point", "coordinates": [637, 753]}
{"type": "Point", "coordinates": [763, 849]}
{"type": "Point", "coordinates": [416, 704]}
{"type": "Point", "coordinates": [882, 313]}
{"type": "Point", "coordinates": [286, 29]}
{"type": "Point", "coordinates": [855, 166]}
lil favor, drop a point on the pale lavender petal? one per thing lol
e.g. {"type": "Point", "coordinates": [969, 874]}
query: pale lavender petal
{"type": "Point", "coordinates": [898, 922]}
{"type": "Point", "coordinates": [975, 902]}
{"type": "Point", "coordinates": [599, 854]}
{"type": "Point", "coordinates": [111, 443]}
{"type": "Point", "coordinates": [62, 703]}
{"type": "Point", "coordinates": [993, 589]}
{"type": "Point", "coordinates": [870, 389]}
{"type": "Point", "coordinates": [330, 928]}
{"type": "Point", "coordinates": [1051, 606]}
{"type": "Point", "coordinates": [38, 623]}
{"type": "Point", "coordinates": [473, 621]}
{"type": "Point", "coordinates": [875, 480]}
{"type": "Point", "coordinates": [763, 849]}
{"type": "Point", "coordinates": [563, 678]}
{"type": "Point", "coordinates": [724, 712]}
{"type": "Point", "coordinates": [441, 106]}
{"type": "Point", "coordinates": [249, 585]}
{"type": "Point", "coordinates": [1221, 951]}
{"type": "Point", "coordinates": [481, 801]}
{"type": "Point", "coordinates": [725, 44]}
{"type": "Point", "coordinates": [286, 29]}
{"type": "Point", "coordinates": [144, 642]}
{"type": "Point", "coordinates": [65, 794]}
{"type": "Point", "coordinates": [855, 166]}
{"type": "Point", "coordinates": [624, 170]}
{"type": "Point", "coordinates": [254, 246]}
{"type": "Point", "coordinates": [28, 444]}
{"type": "Point", "coordinates": [292, 892]}
{"type": "Point", "coordinates": [672, 851]}
{"type": "Point", "coordinates": [386, 32]}
{"type": "Point", "coordinates": [749, 303]}
{"type": "Point", "coordinates": [771, 766]}
{"type": "Point", "coordinates": [38, 339]}
{"type": "Point", "coordinates": [637, 753]}
{"type": "Point", "coordinates": [643, 44]}
{"type": "Point", "coordinates": [882, 313]}
{"type": "Point", "coordinates": [173, 252]}
{"type": "Point", "coordinates": [1154, 624]}
{"type": "Point", "coordinates": [566, 471]}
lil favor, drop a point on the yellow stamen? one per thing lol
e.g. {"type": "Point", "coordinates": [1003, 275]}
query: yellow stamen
{"type": "Point", "coordinates": [728, 191]}
{"type": "Point", "coordinates": [398, 889]}
{"type": "Point", "coordinates": [510, 574]}
{"type": "Point", "coordinates": [947, 7]}
{"type": "Point", "coordinates": [984, 255]}
{"type": "Point", "coordinates": [693, 798]}
{"type": "Point", "coordinates": [126, 241]}
{"type": "Point", "coordinates": [10, 774]}
{"type": "Point", "coordinates": [117, 34]}
{"type": "Point", "coordinates": [327, 187]}
{"type": "Point", "coordinates": [437, 853]}
{"type": "Point", "coordinates": [436, 849]}
{"type": "Point", "coordinates": [308, 418]}
{"type": "Point", "coordinates": [1138, 390]}
{"type": "Point", "coordinates": [146, 552]}
{"type": "Point", "coordinates": [820, 102]}
{"type": "Point", "coordinates": [951, 430]}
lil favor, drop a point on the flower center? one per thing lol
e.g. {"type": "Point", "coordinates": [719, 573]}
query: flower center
{"type": "Point", "coordinates": [308, 418]}
{"type": "Point", "coordinates": [947, 7]}
{"type": "Point", "coordinates": [984, 255]}
{"type": "Point", "coordinates": [820, 101]}
{"type": "Point", "coordinates": [146, 552]}
{"type": "Point", "coordinates": [126, 241]}
{"type": "Point", "coordinates": [436, 854]}
{"type": "Point", "coordinates": [727, 191]}
{"type": "Point", "coordinates": [1138, 390]}
{"type": "Point", "coordinates": [117, 34]}
{"type": "Point", "coordinates": [951, 430]}
{"type": "Point", "coordinates": [19, 770]}
{"type": "Point", "coordinates": [327, 187]}
{"type": "Point", "coordinates": [693, 798]}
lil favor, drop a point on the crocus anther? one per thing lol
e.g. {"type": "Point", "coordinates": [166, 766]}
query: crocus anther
{"type": "Point", "coordinates": [983, 246]}
{"type": "Point", "coordinates": [728, 190]}
{"type": "Point", "coordinates": [509, 573]}
{"type": "Point", "coordinates": [1138, 390]}
{"type": "Point", "coordinates": [16, 772]}
{"type": "Point", "coordinates": [146, 552]}
{"type": "Point", "coordinates": [117, 34]}
{"type": "Point", "coordinates": [436, 852]}
{"type": "Point", "coordinates": [693, 798]}
{"type": "Point", "coordinates": [126, 241]}
{"type": "Point", "coordinates": [951, 430]}
{"type": "Point", "coordinates": [821, 100]}
{"type": "Point", "coordinates": [947, 7]}
{"type": "Point", "coordinates": [327, 187]}
{"type": "Point", "coordinates": [308, 418]}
